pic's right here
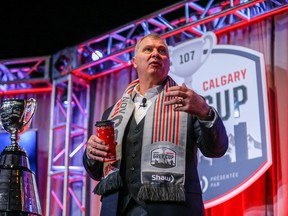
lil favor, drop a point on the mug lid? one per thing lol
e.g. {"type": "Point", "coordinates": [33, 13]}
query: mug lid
{"type": "Point", "coordinates": [104, 123]}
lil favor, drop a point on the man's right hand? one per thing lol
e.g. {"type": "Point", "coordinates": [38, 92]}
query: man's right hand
{"type": "Point", "coordinates": [96, 148]}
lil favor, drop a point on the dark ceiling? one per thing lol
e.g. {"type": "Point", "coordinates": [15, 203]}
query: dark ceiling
{"type": "Point", "coordinates": [36, 28]}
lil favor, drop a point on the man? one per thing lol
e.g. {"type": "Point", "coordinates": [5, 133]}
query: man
{"type": "Point", "coordinates": [159, 126]}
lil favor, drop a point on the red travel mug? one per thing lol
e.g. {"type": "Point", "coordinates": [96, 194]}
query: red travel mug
{"type": "Point", "coordinates": [105, 131]}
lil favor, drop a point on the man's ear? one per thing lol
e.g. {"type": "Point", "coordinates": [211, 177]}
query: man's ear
{"type": "Point", "coordinates": [133, 62]}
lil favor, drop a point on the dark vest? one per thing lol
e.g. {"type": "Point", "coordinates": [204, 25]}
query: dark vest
{"type": "Point", "coordinates": [131, 157]}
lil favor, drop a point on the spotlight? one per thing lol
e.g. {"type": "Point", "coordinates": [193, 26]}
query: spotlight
{"type": "Point", "coordinates": [61, 63]}
{"type": "Point", "coordinates": [96, 55]}
{"type": "Point", "coordinates": [64, 100]}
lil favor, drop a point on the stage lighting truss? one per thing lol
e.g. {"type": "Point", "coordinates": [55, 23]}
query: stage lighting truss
{"type": "Point", "coordinates": [66, 177]}
{"type": "Point", "coordinates": [30, 75]}
{"type": "Point", "coordinates": [179, 22]}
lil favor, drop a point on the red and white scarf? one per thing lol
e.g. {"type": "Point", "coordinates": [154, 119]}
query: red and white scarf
{"type": "Point", "coordinates": [163, 146]}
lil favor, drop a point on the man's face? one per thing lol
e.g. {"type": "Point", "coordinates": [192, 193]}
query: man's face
{"type": "Point", "coordinates": [152, 60]}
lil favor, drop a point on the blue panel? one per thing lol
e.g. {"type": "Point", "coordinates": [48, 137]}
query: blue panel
{"type": "Point", "coordinates": [28, 140]}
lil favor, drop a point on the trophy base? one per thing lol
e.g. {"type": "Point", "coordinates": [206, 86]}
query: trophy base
{"type": "Point", "coordinates": [14, 148]}
{"type": "Point", "coordinates": [18, 191]}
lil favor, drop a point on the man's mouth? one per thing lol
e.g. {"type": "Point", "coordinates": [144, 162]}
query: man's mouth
{"type": "Point", "coordinates": [155, 63]}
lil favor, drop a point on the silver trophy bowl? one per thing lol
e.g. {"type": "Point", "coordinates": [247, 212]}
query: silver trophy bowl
{"type": "Point", "coordinates": [18, 189]}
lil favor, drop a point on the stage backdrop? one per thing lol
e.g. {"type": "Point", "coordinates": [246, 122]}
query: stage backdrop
{"type": "Point", "coordinates": [259, 114]}
{"type": "Point", "coordinates": [237, 89]}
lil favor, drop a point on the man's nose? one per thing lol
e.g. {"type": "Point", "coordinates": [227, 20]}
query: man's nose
{"type": "Point", "coordinates": [155, 53]}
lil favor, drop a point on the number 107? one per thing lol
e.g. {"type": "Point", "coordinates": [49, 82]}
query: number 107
{"type": "Point", "coordinates": [186, 57]}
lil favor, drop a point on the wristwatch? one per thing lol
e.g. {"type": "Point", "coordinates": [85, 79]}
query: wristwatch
{"type": "Point", "coordinates": [211, 114]}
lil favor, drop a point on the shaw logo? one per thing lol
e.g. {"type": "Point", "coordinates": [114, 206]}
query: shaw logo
{"type": "Point", "coordinates": [163, 178]}
{"type": "Point", "coordinates": [163, 158]}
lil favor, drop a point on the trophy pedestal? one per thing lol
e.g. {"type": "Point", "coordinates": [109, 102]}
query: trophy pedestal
{"type": "Point", "coordinates": [18, 190]}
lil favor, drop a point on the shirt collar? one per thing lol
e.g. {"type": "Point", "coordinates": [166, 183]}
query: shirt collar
{"type": "Point", "coordinates": [150, 93]}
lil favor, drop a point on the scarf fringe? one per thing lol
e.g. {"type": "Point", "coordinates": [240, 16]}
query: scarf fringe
{"type": "Point", "coordinates": [162, 192]}
{"type": "Point", "coordinates": [109, 184]}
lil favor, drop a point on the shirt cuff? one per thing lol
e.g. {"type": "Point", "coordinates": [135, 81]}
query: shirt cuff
{"type": "Point", "coordinates": [210, 123]}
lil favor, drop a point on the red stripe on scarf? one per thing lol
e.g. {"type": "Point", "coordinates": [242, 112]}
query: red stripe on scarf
{"type": "Point", "coordinates": [164, 122]}
{"type": "Point", "coordinates": [157, 119]}
{"type": "Point", "coordinates": [177, 127]}
{"type": "Point", "coordinates": [134, 82]}
{"type": "Point", "coordinates": [130, 91]}
{"type": "Point", "coordinates": [117, 108]}
{"type": "Point", "coordinates": [170, 125]}
{"type": "Point", "coordinates": [131, 86]}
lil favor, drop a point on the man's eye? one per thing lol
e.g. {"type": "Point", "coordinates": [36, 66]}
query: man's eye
{"type": "Point", "coordinates": [148, 49]}
{"type": "Point", "coordinates": [162, 51]}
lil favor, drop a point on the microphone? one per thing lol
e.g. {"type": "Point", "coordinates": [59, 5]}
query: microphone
{"type": "Point", "coordinates": [143, 103]}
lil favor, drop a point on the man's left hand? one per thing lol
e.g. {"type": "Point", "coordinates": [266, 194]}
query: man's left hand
{"type": "Point", "coordinates": [187, 100]}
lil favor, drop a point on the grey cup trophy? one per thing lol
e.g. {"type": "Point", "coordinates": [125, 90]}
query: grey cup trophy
{"type": "Point", "coordinates": [18, 190]}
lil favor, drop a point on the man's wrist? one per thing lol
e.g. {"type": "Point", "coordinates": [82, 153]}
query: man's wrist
{"type": "Point", "coordinates": [211, 115]}
{"type": "Point", "coordinates": [211, 118]}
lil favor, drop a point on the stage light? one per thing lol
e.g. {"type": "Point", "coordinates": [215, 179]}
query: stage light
{"type": "Point", "coordinates": [61, 63]}
{"type": "Point", "coordinates": [96, 55]}
{"type": "Point", "coordinates": [64, 100]}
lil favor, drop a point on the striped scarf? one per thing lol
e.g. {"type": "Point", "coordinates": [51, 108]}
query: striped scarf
{"type": "Point", "coordinates": [163, 147]}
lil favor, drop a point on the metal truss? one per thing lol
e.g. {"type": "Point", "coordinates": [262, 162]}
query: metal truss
{"type": "Point", "coordinates": [29, 75]}
{"type": "Point", "coordinates": [66, 178]}
{"type": "Point", "coordinates": [179, 22]}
